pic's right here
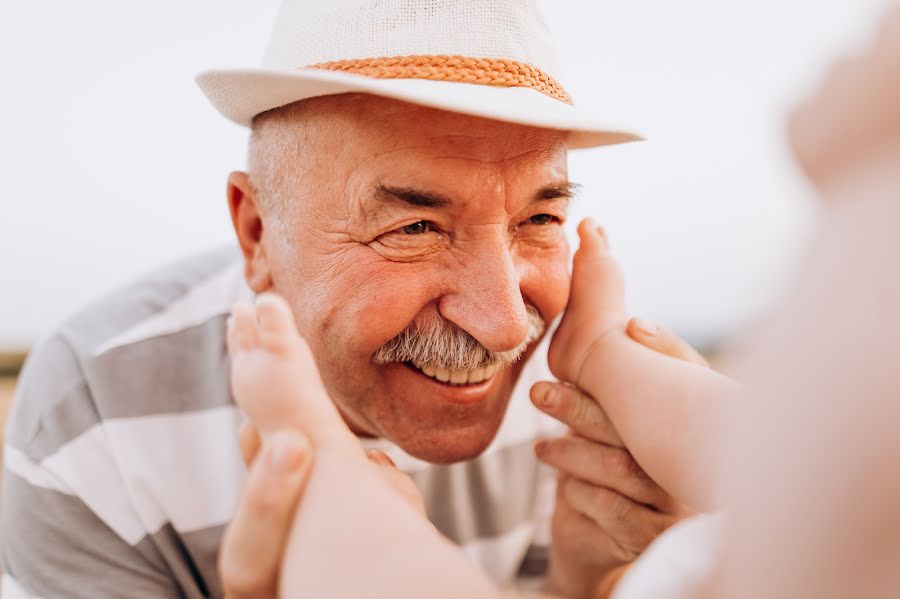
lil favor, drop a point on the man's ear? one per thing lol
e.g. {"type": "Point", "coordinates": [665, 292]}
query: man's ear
{"type": "Point", "coordinates": [245, 216]}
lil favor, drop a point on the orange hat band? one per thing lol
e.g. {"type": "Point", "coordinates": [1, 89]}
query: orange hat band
{"type": "Point", "coordinates": [458, 69]}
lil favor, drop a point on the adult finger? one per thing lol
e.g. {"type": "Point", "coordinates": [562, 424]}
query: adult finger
{"type": "Point", "coordinates": [380, 458]}
{"type": "Point", "coordinates": [630, 525]}
{"type": "Point", "coordinates": [581, 412]}
{"type": "Point", "coordinates": [663, 340]}
{"type": "Point", "coordinates": [605, 588]}
{"type": "Point", "coordinates": [249, 442]}
{"type": "Point", "coordinates": [404, 485]}
{"type": "Point", "coordinates": [581, 539]}
{"type": "Point", "coordinates": [253, 544]}
{"type": "Point", "coordinates": [400, 481]}
{"type": "Point", "coordinates": [601, 465]}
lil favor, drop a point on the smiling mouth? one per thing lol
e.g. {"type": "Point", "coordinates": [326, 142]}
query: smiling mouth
{"type": "Point", "coordinates": [457, 378]}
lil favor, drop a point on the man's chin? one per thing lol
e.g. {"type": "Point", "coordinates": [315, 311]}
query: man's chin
{"type": "Point", "coordinates": [443, 436]}
{"type": "Point", "coordinates": [437, 422]}
{"type": "Point", "coordinates": [448, 450]}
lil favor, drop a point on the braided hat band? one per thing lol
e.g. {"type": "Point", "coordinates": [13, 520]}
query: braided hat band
{"type": "Point", "coordinates": [492, 59]}
{"type": "Point", "coordinates": [458, 69]}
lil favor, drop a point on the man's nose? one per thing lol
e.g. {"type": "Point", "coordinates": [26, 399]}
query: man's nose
{"type": "Point", "coordinates": [486, 300]}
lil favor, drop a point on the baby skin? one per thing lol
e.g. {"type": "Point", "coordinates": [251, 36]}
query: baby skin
{"type": "Point", "coordinates": [350, 508]}
{"type": "Point", "coordinates": [666, 411]}
{"type": "Point", "coordinates": [669, 413]}
{"type": "Point", "coordinates": [275, 380]}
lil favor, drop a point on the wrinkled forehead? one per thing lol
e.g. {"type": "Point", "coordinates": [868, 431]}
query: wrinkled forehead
{"type": "Point", "coordinates": [371, 126]}
{"type": "Point", "coordinates": [436, 132]}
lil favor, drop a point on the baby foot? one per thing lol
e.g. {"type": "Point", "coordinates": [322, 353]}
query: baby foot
{"type": "Point", "coordinates": [274, 377]}
{"type": "Point", "coordinates": [596, 305]}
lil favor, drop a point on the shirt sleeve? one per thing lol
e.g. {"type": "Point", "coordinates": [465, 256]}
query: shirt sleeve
{"type": "Point", "coordinates": [54, 541]}
{"type": "Point", "coordinates": [533, 569]}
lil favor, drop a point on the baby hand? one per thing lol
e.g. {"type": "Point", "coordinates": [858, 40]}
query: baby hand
{"type": "Point", "coordinates": [596, 307]}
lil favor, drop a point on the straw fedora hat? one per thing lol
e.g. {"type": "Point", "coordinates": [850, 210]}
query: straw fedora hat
{"type": "Point", "coordinates": [488, 58]}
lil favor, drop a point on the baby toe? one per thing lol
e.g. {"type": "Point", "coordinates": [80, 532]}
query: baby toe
{"type": "Point", "coordinates": [276, 321]}
{"type": "Point", "coordinates": [596, 277]}
{"type": "Point", "coordinates": [593, 241]}
{"type": "Point", "coordinates": [243, 331]}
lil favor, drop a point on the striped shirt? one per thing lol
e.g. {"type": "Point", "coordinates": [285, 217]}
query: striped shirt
{"type": "Point", "coordinates": [122, 469]}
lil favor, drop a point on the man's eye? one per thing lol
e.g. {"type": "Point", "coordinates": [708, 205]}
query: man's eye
{"type": "Point", "coordinates": [542, 219]}
{"type": "Point", "coordinates": [418, 228]}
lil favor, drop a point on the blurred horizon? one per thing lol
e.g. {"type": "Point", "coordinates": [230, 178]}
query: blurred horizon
{"type": "Point", "coordinates": [115, 164]}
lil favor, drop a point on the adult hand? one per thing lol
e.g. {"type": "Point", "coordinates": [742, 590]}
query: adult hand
{"type": "Point", "coordinates": [254, 542]}
{"type": "Point", "coordinates": [249, 442]}
{"type": "Point", "coordinates": [853, 119]}
{"type": "Point", "coordinates": [607, 509]}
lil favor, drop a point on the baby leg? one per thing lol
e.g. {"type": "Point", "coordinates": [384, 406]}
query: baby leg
{"type": "Point", "coordinates": [668, 412]}
{"type": "Point", "coordinates": [275, 380]}
{"type": "Point", "coordinates": [596, 306]}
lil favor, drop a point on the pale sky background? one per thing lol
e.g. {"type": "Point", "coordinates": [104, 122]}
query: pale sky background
{"type": "Point", "coordinates": [112, 162]}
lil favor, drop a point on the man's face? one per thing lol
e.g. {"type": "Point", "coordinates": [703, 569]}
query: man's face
{"type": "Point", "coordinates": [403, 218]}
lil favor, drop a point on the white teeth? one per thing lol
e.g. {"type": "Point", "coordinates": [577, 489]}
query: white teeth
{"type": "Point", "coordinates": [491, 370]}
{"type": "Point", "coordinates": [460, 377]}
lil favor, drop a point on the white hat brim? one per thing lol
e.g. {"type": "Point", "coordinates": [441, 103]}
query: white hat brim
{"type": "Point", "coordinates": [241, 94]}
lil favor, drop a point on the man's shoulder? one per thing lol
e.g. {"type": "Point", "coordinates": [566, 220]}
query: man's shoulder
{"type": "Point", "coordinates": [104, 322]}
{"type": "Point", "coordinates": [118, 356]}
{"type": "Point", "coordinates": [123, 426]}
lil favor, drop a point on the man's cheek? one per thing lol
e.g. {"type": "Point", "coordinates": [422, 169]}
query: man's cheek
{"type": "Point", "coordinates": [546, 283]}
{"type": "Point", "coordinates": [382, 300]}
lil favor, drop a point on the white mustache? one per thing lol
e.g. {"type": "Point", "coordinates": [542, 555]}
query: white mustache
{"type": "Point", "coordinates": [437, 342]}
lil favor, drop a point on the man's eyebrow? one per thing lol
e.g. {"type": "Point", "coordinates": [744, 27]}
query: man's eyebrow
{"type": "Point", "coordinates": [427, 199]}
{"type": "Point", "coordinates": [411, 196]}
{"type": "Point", "coordinates": [566, 189]}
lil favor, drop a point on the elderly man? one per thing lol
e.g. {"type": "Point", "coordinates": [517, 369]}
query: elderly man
{"type": "Point", "coordinates": [411, 174]}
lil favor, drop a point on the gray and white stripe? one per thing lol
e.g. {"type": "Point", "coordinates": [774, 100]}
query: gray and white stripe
{"type": "Point", "coordinates": [121, 467]}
